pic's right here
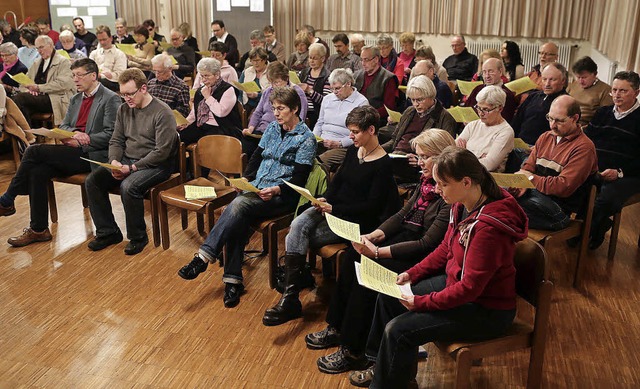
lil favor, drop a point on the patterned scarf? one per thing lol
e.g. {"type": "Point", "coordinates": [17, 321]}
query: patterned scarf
{"type": "Point", "coordinates": [203, 108]}
{"type": "Point", "coordinates": [428, 193]}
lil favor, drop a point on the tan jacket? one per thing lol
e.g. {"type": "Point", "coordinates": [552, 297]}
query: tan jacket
{"type": "Point", "coordinates": [15, 124]}
{"type": "Point", "coordinates": [59, 85]}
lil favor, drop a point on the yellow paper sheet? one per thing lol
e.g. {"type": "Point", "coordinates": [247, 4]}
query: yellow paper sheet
{"type": "Point", "coordinates": [518, 143]}
{"type": "Point", "coordinates": [319, 139]}
{"type": "Point", "coordinates": [194, 192]}
{"type": "Point", "coordinates": [507, 180]}
{"type": "Point", "coordinates": [403, 88]}
{"type": "Point", "coordinates": [22, 79]}
{"type": "Point", "coordinates": [174, 61]}
{"type": "Point", "coordinates": [192, 93]}
{"type": "Point", "coordinates": [126, 48]}
{"type": "Point", "coordinates": [180, 120]}
{"type": "Point", "coordinates": [463, 114]}
{"type": "Point", "coordinates": [204, 54]}
{"type": "Point", "coordinates": [293, 77]}
{"type": "Point", "coordinates": [304, 192]}
{"type": "Point", "coordinates": [376, 277]}
{"type": "Point", "coordinates": [103, 164]}
{"type": "Point", "coordinates": [64, 53]}
{"type": "Point", "coordinates": [240, 183]}
{"type": "Point", "coordinates": [521, 85]}
{"type": "Point", "coordinates": [466, 87]}
{"type": "Point", "coordinates": [56, 133]}
{"type": "Point", "coordinates": [165, 45]}
{"type": "Point", "coordinates": [343, 228]}
{"type": "Point", "coordinates": [393, 115]}
{"type": "Point", "coordinates": [247, 87]}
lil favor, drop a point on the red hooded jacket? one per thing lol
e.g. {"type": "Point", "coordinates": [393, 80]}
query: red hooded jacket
{"type": "Point", "coordinates": [478, 254]}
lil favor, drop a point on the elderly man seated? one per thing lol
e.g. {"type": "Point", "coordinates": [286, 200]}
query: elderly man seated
{"type": "Point", "coordinates": [462, 64]}
{"type": "Point", "coordinates": [377, 84]}
{"type": "Point", "coordinates": [548, 53]}
{"type": "Point", "coordinates": [184, 55]}
{"type": "Point", "coordinates": [166, 87]}
{"type": "Point", "coordinates": [492, 72]}
{"type": "Point", "coordinates": [425, 67]}
{"type": "Point", "coordinates": [53, 84]}
{"type": "Point", "coordinates": [331, 127]}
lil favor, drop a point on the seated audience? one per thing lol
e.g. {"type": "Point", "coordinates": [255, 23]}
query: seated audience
{"type": "Point", "coordinates": [377, 84]}
{"type": "Point", "coordinates": [462, 64]}
{"type": "Point", "coordinates": [587, 89]}
{"type": "Point", "coordinates": [299, 59]}
{"type": "Point", "coordinates": [10, 34]}
{"type": "Point", "coordinates": [91, 116]}
{"type": "Point", "coordinates": [311, 33]}
{"type": "Point", "coordinates": [189, 39]}
{"type": "Point", "coordinates": [357, 43]}
{"type": "Point", "coordinates": [408, 53]}
{"type": "Point", "coordinates": [67, 42]}
{"type": "Point", "coordinates": [493, 74]}
{"type": "Point", "coordinates": [87, 36]}
{"type": "Point", "coordinates": [220, 34]}
{"type": "Point", "coordinates": [510, 53]}
{"type": "Point", "coordinates": [426, 53]}
{"type": "Point", "coordinates": [28, 54]}
{"type": "Point", "coordinates": [144, 50]}
{"type": "Point", "coordinates": [122, 34]}
{"type": "Point", "coordinates": [343, 58]}
{"type": "Point", "coordinates": [464, 289]}
{"type": "Point", "coordinates": [53, 84]}
{"type": "Point", "coordinates": [358, 193]}
{"type": "Point", "coordinates": [389, 57]}
{"type": "Point", "coordinates": [166, 87]}
{"type": "Point", "coordinates": [155, 38]}
{"type": "Point", "coordinates": [489, 138]}
{"type": "Point", "coordinates": [425, 67]}
{"type": "Point", "coordinates": [484, 56]}
{"type": "Point", "coordinates": [111, 61]}
{"type": "Point", "coordinates": [10, 65]}
{"type": "Point", "coordinates": [79, 43]}
{"type": "Point", "coordinates": [184, 55]}
{"type": "Point", "coordinates": [272, 45]}
{"type": "Point", "coordinates": [286, 153]}
{"type": "Point", "coordinates": [615, 131]}
{"type": "Point", "coordinates": [561, 167]}
{"type": "Point", "coordinates": [256, 39]}
{"type": "Point", "coordinates": [257, 72]}
{"type": "Point", "coordinates": [227, 73]}
{"type": "Point", "coordinates": [330, 126]}
{"type": "Point", "coordinates": [44, 27]}
{"type": "Point", "coordinates": [214, 104]}
{"type": "Point", "coordinates": [548, 53]}
{"type": "Point", "coordinates": [315, 81]}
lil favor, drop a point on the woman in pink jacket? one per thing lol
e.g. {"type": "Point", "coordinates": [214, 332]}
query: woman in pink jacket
{"type": "Point", "coordinates": [465, 289]}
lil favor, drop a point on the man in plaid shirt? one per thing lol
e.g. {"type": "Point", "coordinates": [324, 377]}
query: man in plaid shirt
{"type": "Point", "coordinates": [167, 87]}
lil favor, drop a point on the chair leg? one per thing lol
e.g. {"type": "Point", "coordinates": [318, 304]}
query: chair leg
{"type": "Point", "coordinates": [463, 369]}
{"type": "Point", "coordinates": [211, 217]}
{"type": "Point", "coordinates": [584, 244]}
{"type": "Point", "coordinates": [184, 217]}
{"type": "Point", "coordinates": [83, 193]}
{"type": "Point", "coordinates": [536, 359]}
{"type": "Point", "coordinates": [339, 256]}
{"type": "Point", "coordinates": [53, 208]}
{"type": "Point", "coordinates": [613, 238]}
{"type": "Point", "coordinates": [154, 197]}
{"type": "Point", "coordinates": [200, 224]}
{"type": "Point", "coordinates": [15, 150]}
{"type": "Point", "coordinates": [164, 224]}
{"type": "Point", "coordinates": [273, 254]}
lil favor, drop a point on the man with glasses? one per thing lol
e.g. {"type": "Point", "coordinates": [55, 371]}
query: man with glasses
{"type": "Point", "coordinates": [111, 61]}
{"type": "Point", "coordinates": [425, 67]}
{"type": "Point", "coordinates": [492, 72]}
{"type": "Point", "coordinates": [560, 167]}
{"type": "Point", "coordinates": [220, 34]}
{"type": "Point", "coordinates": [272, 45]}
{"type": "Point", "coordinates": [377, 84]}
{"type": "Point", "coordinates": [166, 87]}
{"type": "Point", "coordinates": [548, 53]}
{"type": "Point", "coordinates": [462, 64]}
{"type": "Point", "coordinates": [52, 87]}
{"type": "Point", "coordinates": [184, 55]}
{"type": "Point", "coordinates": [615, 130]}
{"type": "Point", "coordinates": [91, 116]}
{"type": "Point", "coordinates": [143, 147]}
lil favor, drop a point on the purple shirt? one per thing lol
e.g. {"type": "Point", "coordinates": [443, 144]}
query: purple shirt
{"type": "Point", "coordinates": [263, 114]}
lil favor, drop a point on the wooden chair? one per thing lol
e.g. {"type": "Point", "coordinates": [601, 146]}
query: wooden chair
{"type": "Point", "coordinates": [220, 152]}
{"type": "Point", "coordinates": [334, 252]}
{"type": "Point", "coordinates": [151, 195]}
{"type": "Point", "coordinates": [534, 287]}
{"type": "Point", "coordinates": [578, 228]}
{"type": "Point", "coordinates": [15, 147]}
{"type": "Point", "coordinates": [613, 239]}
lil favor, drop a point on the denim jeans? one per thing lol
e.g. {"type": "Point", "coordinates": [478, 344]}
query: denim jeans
{"type": "Point", "coordinates": [132, 190]}
{"type": "Point", "coordinates": [39, 164]}
{"type": "Point", "coordinates": [396, 332]}
{"type": "Point", "coordinates": [232, 230]}
{"type": "Point", "coordinates": [610, 200]}
{"type": "Point", "coordinates": [543, 212]}
{"type": "Point", "coordinates": [309, 229]}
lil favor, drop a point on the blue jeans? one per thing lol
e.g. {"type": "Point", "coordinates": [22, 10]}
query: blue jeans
{"type": "Point", "coordinates": [543, 212]}
{"type": "Point", "coordinates": [310, 228]}
{"type": "Point", "coordinates": [132, 190]}
{"type": "Point", "coordinates": [232, 230]}
{"type": "Point", "coordinates": [396, 332]}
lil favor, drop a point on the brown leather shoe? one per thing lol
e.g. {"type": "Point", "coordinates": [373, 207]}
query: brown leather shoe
{"type": "Point", "coordinates": [6, 211]}
{"type": "Point", "coordinates": [30, 236]}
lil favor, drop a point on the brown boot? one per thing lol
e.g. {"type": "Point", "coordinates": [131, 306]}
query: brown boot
{"type": "Point", "coordinates": [30, 236]}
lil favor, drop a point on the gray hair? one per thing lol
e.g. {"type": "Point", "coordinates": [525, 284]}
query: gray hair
{"type": "Point", "coordinates": [163, 60]}
{"type": "Point", "coordinates": [384, 40]}
{"type": "Point", "coordinates": [67, 34]}
{"type": "Point", "coordinates": [341, 75]}
{"type": "Point", "coordinates": [492, 95]}
{"type": "Point", "coordinates": [318, 48]}
{"type": "Point", "coordinates": [210, 65]}
{"type": "Point", "coordinates": [257, 34]}
{"type": "Point", "coordinates": [428, 65]}
{"type": "Point", "coordinates": [9, 48]}
{"type": "Point", "coordinates": [373, 49]}
{"type": "Point", "coordinates": [356, 38]}
{"type": "Point", "coordinates": [45, 39]}
{"type": "Point", "coordinates": [423, 86]}
{"type": "Point", "coordinates": [121, 21]}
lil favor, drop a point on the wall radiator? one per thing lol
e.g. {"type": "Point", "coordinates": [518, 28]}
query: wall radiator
{"type": "Point", "coordinates": [529, 52]}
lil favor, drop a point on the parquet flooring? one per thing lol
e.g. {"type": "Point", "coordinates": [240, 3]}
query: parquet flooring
{"type": "Point", "coordinates": [72, 318]}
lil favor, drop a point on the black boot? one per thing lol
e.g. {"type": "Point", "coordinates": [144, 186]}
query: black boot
{"type": "Point", "coordinates": [289, 307]}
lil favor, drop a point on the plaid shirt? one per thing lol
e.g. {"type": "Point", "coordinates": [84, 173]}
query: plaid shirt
{"type": "Point", "coordinates": [174, 92]}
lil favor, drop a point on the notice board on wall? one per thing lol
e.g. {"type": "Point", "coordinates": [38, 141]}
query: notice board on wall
{"type": "Point", "coordinates": [93, 12]}
{"type": "Point", "coordinates": [240, 17]}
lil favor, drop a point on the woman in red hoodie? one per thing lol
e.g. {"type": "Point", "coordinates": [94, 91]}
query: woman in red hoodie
{"type": "Point", "coordinates": [465, 289]}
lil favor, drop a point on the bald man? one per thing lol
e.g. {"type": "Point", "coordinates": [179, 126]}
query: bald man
{"type": "Point", "coordinates": [547, 53]}
{"type": "Point", "coordinates": [462, 64]}
{"type": "Point", "coordinates": [426, 68]}
{"type": "Point", "coordinates": [492, 72]}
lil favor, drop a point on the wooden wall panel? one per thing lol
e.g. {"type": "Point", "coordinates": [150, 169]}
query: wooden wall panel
{"type": "Point", "coordinates": [24, 8]}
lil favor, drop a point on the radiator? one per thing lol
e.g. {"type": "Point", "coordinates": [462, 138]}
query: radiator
{"type": "Point", "coordinates": [529, 52]}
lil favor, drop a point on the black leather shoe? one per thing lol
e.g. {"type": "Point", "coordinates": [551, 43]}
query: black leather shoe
{"type": "Point", "coordinates": [193, 268]}
{"type": "Point", "coordinates": [102, 242]}
{"type": "Point", "coordinates": [232, 293]}
{"type": "Point", "coordinates": [6, 211]}
{"type": "Point", "coordinates": [136, 246]}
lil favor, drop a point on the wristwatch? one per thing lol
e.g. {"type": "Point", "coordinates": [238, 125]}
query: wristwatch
{"type": "Point", "coordinates": [530, 178]}
{"type": "Point", "coordinates": [620, 173]}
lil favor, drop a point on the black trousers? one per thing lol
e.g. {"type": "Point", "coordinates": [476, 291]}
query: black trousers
{"type": "Point", "coordinates": [30, 104]}
{"type": "Point", "coordinates": [39, 164]}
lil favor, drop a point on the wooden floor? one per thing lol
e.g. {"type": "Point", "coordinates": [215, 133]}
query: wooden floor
{"type": "Point", "coordinates": [71, 318]}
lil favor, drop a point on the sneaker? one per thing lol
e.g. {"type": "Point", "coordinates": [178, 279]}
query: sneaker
{"type": "Point", "coordinates": [362, 378]}
{"type": "Point", "coordinates": [341, 361]}
{"type": "Point", "coordinates": [136, 246]}
{"type": "Point", "coordinates": [6, 211]}
{"type": "Point", "coordinates": [329, 337]}
{"type": "Point", "coordinates": [102, 242]}
{"type": "Point", "coordinates": [193, 269]}
{"type": "Point", "coordinates": [29, 236]}
{"type": "Point", "coordinates": [232, 293]}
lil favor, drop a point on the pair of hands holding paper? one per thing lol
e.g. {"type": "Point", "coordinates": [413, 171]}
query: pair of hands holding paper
{"type": "Point", "coordinates": [79, 139]}
{"type": "Point", "coordinates": [324, 208]}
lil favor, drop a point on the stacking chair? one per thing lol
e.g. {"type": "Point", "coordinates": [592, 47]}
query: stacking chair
{"type": "Point", "coordinates": [578, 228]}
{"type": "Point", "coordinates": [534, 287]}
{"type": "Point", "coordinates": [332, 252]}
{"type": "Point", "coordinates": [613, 239]}
{"type": "Point", "coordinates": [215, 152]}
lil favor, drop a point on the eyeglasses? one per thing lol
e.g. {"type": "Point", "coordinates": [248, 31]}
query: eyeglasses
{"type": "Point", "coordinates": [423, 158]}
{"type": "Point", "coordinates": [557, 120]}
{"type": "Point", "coordinates": [547, 54]}
{"type": "Point", "coordinates": [78, 75]}
{"type": "Point", "coordinates": [130, 95]}
{"type": "Point", "coordinates": [338, 89]}
{"type": "Point", "coordinates": [279, 108]}
{"type": "Point", "coordinates": [418, 100]}
{"type": "Point", "coordinates": [483, 110]}
{"type": "Point", "coordinates": [367, 59]}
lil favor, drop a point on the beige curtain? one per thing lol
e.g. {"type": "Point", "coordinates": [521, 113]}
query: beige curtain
{"type": "Point", "coordinates": [195, 12]}
{"type": "Point", "coordinates": [616, 32]}
{"type": "Point", "coordinates": [135, 12]}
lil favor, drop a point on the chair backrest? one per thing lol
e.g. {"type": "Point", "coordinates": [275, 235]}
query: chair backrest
{"type": "Point", "coordinates": [220, 152]}
{"type": "Point", "coordinates": [530, 261]}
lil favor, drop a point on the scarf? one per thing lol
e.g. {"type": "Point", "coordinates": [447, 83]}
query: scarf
{"type": "Point", "coordinates": [6, 67]}
{"type": "Point", "coordinates": [301, 58]}
{"type": "Point", "coordinates": [203, 107]}
{"type": "Point", "coordinates": [428, 193]}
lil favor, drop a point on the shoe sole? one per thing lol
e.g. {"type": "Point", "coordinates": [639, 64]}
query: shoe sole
{"type": "Point", "coordinates": [327, 371]}
{"type": "Point", "coordinates": [10, 213]}
{"type": "Point", "coordinates": [321, 347]}
{"type": "Point", "coordinates": [277, 323]}
{"type": "Point", "coordinates": [188, 278]}
{"type": "Point", "coordinates": [15, 244]}
{"type": "Point", "coordinates": [234, 304]}
{"type": "Point", "coordinates": [136, 251]}
{"type": "Point", "coordinates": [103, 247]}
